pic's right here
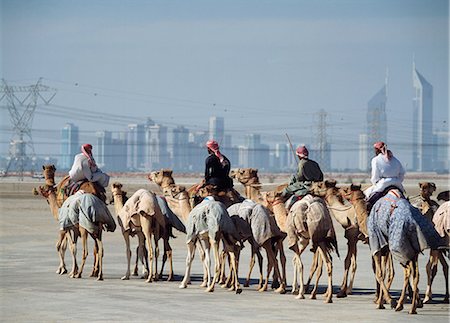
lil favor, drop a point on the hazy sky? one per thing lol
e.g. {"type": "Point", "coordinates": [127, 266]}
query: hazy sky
{"type": "Point", "coordinates": [266, 66]}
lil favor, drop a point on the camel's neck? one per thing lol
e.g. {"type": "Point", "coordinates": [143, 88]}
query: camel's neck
{"type": "Point", "coordinates": [252, 192]}
{"type": "Point", "coordinates": [53, 203]}
{"type": "Point", "coordinates": [180, 206]}
{"type": "Point", "coordinates": [343, 213]}
{"type": "Point", "coordinates": [118, 202]}
{"type": "Point", "coordinates": [166, 182]}
{"type": "Point", "coordinates": [280, 213]}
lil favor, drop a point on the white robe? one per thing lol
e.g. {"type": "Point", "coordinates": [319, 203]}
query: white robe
{"type": "Point", "coordinates": [384, 174]}
{"type": "Point", "coordinates": [81, 170]}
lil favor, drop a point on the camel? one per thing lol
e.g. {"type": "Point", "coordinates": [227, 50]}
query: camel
{"type": "Point", "coordinates": [355, 195]}
{"type": "Point", "coordinates": [441, 221]}
{"type": "Point", "coordinates": [308, 221]}
{"type": "Point", "coordinates": [55, 195]}
{"type": "Point", "coordinates": [119, 199]}
{"type": "Point", "coordinates": [428, 208]}
{"type": "Point", "coordinates": [248, 177]}
{"type": "Point", "coordinates": [210, 223]}
{"type": "Point", "coordinates": [345, 214]}
{"type": "Point", "coordinates": [423, 201]}
{"type": "Point", "coordinates": [396, 225]}
{"type": "Point", "coordinates": [88, 215]}
{"type": "Point", "coordinates": [178, 200]}
{"type": "Point", "coordinates": [263, 233]}
{"type": "Point", "coordinates": [144, 211]}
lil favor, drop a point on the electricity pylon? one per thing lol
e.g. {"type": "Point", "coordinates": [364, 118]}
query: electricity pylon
{"type": "Point", "coordinates": [21, 103]}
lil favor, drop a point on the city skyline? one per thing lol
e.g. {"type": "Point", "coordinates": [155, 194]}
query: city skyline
{"type": "Point", "coordinates": [267, 68]}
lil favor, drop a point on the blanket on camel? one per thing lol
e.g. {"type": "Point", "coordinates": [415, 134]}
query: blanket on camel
{"type": "Point", "coordinates": [394, 222]}
{"type": "Point", "coordinates": [263, 225]}
{"type": "Point", "coordinates": [212, 217]}
{"type": "Point", "coordinates": [87, 210]}
{"type": "Point", "coordinates": [309, 218]}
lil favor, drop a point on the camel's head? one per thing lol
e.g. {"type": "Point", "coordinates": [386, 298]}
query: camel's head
{"type": "Point", "coordinates": [245, 175]}
{"type": "Point", "coordinates": [271, 198]}
{"type": "Point", "coordinates": [160, 177]}
{"type": "Point", "coordinates": [49, 174]}
{"type": "Point", "coordinates": [116, 190]}
{"type": "Point", "coordinates": [175, 191]}
{"type": "Point", "coordinates": [427, 189]}
{"type": "Point", "coordinates": [444, 196]}
{"type": "Point", "coordinates": [352, 192]}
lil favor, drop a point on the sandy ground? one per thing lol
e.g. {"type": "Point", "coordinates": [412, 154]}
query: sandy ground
{"type": "Point", "coordinates": [31, 291]}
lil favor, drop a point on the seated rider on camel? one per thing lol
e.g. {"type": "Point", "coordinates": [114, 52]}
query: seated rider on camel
{"type": "Point", "coordinates": [387, 173]}
{"type": "Point", "coordinates": [83, 169]}
{"type": "Point", "coordinates": [217, 169]}
{"type": "Point", "coordinates": [299, 184]}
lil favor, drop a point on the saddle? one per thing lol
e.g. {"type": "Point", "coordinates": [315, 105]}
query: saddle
{"type": "Point", "coordinates": [67, 188]}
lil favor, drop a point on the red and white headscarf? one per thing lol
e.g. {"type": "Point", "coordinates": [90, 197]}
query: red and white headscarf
{"type": "Point", "coordinates": [381, 146]}
{"type": "Point", "coordinates": [214, 146]}
{"type": "Point", "coordinates": [86, 149]}
{"type": "Point", "coordinates": [302, 152]}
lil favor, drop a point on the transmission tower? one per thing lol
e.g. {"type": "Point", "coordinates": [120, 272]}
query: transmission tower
{"type": "Point", "coordinates": [323, 147]}
{"type": "Point", "coordinates": [21, 103]}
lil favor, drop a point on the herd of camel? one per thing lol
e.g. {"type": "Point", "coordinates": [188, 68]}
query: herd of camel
{"type": "Point", "coordinates": [261, 220]}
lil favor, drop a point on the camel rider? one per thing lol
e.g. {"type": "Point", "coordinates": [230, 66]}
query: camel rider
{"type": "Point", "coordinates": [217, 167]}
{"type": "Point", "coordinates": [308, 172]}
{"type": "Point", "coordinates": [84, 167]}
{"type": "Point", "coordinates": [387, 173]}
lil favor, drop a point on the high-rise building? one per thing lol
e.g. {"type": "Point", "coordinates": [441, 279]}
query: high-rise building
{"type": "Point", "coordinates": [422, 122]}
{"type": "Point", "coordinates": [118, 153]}
{"type": "Point", "coordinates": [70, 146]}
{"type": "Point", "coordinates": [135, 146]}
{"type": "Point", "coordinates": [103, 149]}
{"type": "Point", "coordinates": [441, 157]}
{"type": "Point", "coordinates": [363, 152]}
{"type": "Point", "coordinates": [376, 121]}
{"type": "Point", "coordinates": [217, 129]}
{"type": "Point", "coordinates": [156, 154]}
{"type": "Point", "coordinates": [179, 149]}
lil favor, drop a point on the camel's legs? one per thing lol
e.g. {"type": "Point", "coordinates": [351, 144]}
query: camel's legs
{"type": "Point", "coordinates": [73, 237]}
{"type": "Point", "coordinates": [189, 258]}
{"type": "Point", "coordinates": [84, 236]}
{"type": "Point", "coordinates": [298, 252]}
{"type": "Point", "coordinates": [406, 275]}
{"type": "Point", "coordinates": [126, 237]}
{"type": "Point", "coordinates": [201, 251]}
{"type": "Point", "coordinates": [147, 230]}
{"type": "Point", "coordinates": [252, 264]}
{"type": "Point", "coordinates": [235, 264]}
{"type": "Point", "coordinates": [445, 270]}
{"type": "Point", "coordinates": [325, 255]}
{"type": "Point", "coordinates": [98, 240]}
{"type": "Point", "coordinates": [384, 292]}
{"type": "Point", "coordinates": [95, 269]}
{"type": "Point", "coordinates": [416, 297]}
{"type": "Point", "coordinates": [351, 250]}
{"type": "Point", "coordinates": [353, 270]}
{"type": "Point", "coordinates": [432, 266]}
{"type": "Point", "coordinates": [143, 254]}
{"type": "Point", "coordinates": [313, 269]}
{"type": "Point", "coordinates": [61, 246]}
{"type": "Point", "coordinates": [269, 252]}
{"type": "Point", "coordinates": [390, 267]}
{"type": "Point", "coordinates": [318, 274]}
{"type": "Point", "coordinates": [222, 277]}
{"type": "Point", "coordinates": [167, 256]}
{"type": "Point", "coordinates": [280, 248]}
{"type": "Point", "coordinates": [215, 246]}
{"type": "Point", "coordinates": [273, 258]}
